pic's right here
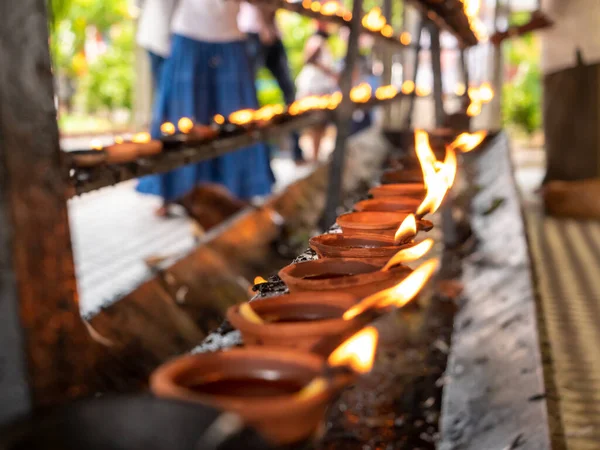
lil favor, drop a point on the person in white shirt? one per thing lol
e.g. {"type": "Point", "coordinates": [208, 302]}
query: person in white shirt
{"type": "Point", "coordinates": [154, 32]}
{"type": "Point", "coordinates": [208, 73]}
{"type": "Point", "coordinates": [266, 49]}
{"type": "Point", "coordinates": [570, 61]}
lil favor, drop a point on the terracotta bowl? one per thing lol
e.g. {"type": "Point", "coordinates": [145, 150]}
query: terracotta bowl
{"type": "Point", "coordinates": [121, 153]}
{"type": "Point", "coordinates": [153, 147]}
{"type": "Point", "coordinates": [298, 320]}
{"type": "Point", "coordinates": [258, 383]}
{"type": "Point", "coordinates": [414, 190]}
{"type": "Point", "coordinates": [404, 175]}
{"type": "Point", "coordinates": [379, 223]}
{"type": "Point", "coordinates": [376, 249]}
{"type": "Point", "coordinates": [353, 276]}
{"type": "Point", "coordinates": [399, 204]}
{"type": "Point", "coordinates": [87, 158]}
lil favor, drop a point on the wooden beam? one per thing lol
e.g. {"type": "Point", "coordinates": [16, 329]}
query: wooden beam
{"type": "Point", "coordinates": [343, 119]}
{"type": "Point", "coordinates": [46, 351]}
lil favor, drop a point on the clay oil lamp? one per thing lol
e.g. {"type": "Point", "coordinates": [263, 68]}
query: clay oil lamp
{"type": "Point", "coordinates": [402, 204]}
{"type": "Point", "coordinates": [367, 246]}
{"type": "Point", "coordinates": [296, 320]}
{"type": "Point", "coordinates": [121, 152]}
{"type": "Point", "coordinates": [282, 393]}
{"type": "Point", "coordinates": [414, 190]}
{"type": "Point", "coordinates": [95, 156]}
{"type": "Point", "coordinates": [225, 128]}
{"type": "Point", "coordinates": [378, 223]}
{"type": "Point", "coordinates": [360, 277]}
{"type": "Point", "coordinates": [195, 133]}
{"type": "Point", "coordinates": [170, 138]}
{"type": "Point", "coordinates": [145, 145]}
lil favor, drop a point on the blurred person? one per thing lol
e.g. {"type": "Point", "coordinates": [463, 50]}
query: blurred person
{"type": "Point", "coordinates": [570, 61]}
{"type": "Point", "coordinates": [208, 73]}
{"type": "Point", "coordinates": [154, 32]}
{"type": "Point", "coordinates": [266, 49]}
{"type": "Point", "coordinates": [317, 77]}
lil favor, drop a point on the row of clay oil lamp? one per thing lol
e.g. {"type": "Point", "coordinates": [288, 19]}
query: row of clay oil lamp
{"type": "Point", "coordinates": [374, 21]}
{"type": "Point", "coordinates": [301, 349]}
{"type": "Point", "coordinates": [185, 131]}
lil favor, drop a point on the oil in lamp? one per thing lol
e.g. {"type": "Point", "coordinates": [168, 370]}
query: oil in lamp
{"type": "Point", "coordinates": [283, 393]}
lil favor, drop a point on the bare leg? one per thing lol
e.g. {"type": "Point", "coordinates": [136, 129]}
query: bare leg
{"type": "Point", "coordinates": [317, 136]}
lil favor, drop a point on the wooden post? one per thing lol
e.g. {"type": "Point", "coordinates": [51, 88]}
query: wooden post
{"type": "Point", "coordinates": [413, 98]}
{"type": "Point", "coordinates": [343, 119]}
{"type": "Point", "coordinates": [436, 68]}
{"type": "Point", "coordinates": [46, 351]}
{"type": "Point", "coordinates": [387, 57]}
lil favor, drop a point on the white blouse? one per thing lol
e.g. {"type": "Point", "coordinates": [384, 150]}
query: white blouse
{"type": "Point", "coordinates": [154, 26]}
{"type": "Point", "coordinates": [576, 26]}
{"type": "Point", "coordinates": [207, 20]}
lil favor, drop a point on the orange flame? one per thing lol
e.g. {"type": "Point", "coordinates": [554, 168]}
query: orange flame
{"type": "Point", "coordinates": [386, 92]}
{"type": "Point", "coordinates": [449, 167]}
{"type": "Point", "coordinates": [409, 254]}
{"type": "Point", "coordinates": [219, 119]}
{"type": "Point", "coordinates": [374, 20]}
{"type": "Point", "coordinates": [425, 154]}
{"type": "Point", "coordinates": [334, 100]}
{"type": "Point", "coordinates": [242, 117]}
{"type": "Point", "coordinates": [399, 295]}
{"type": "Point", "coordinates": [347, 16]}
{"type": "Point", "coordinates": [259, 280]}
{"type": "Point", "coordinates": [315, 6]}
{"type": "Point", "coordinates": [330, 8]}
{"type": "Point", "coordinates": [167, 129]}
{"type": "Point", "coordinates": [306, 4]}
{"type": "Point", "coordinates": [460, 89]}
{"type": "Point", "coordinates": [95, 144]}
{"type": "Point", "coordinates": [436, 190]}
{"type": "Point", "coordinates": [358, 352]}
{"type": "Point", "coordinates": [405, 38]}
{"type": "Point", "coordinates": [407, 229]}
{"type": "Point", "coordinates": [119, 139]}
{"type": "Point", "coordinates": [387, 31]}
{"type": "Point", "coordinates": [474, 109]}
{"type": "Point", "coordinates": [361, 93]}
{"type": "Point", "coordinates": [141, 138]}
{"type": "Point", "coordinates": [465, 142]}
{"type": "Point", "coordinates": [408, 87]}
{"type": "Point", "coordinates": [185, 125]}
{"type": "Point", "coordinates": [267, 112]}
{"type": "Point", "coordinates": [486, 93]}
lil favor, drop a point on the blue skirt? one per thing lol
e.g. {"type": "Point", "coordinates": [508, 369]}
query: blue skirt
{"type": "Point", "coordinates": [199, 80]}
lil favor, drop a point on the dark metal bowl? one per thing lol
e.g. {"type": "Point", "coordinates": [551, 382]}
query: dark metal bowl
{"type": "Point", "coordinates": [127, 423]}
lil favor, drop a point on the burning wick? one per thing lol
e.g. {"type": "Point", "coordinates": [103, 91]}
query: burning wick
{"type": "Point", "coordinates": [397, 296]}
{"type": "Point", "coordinates": [167, 129]}
{"type": "Point", "coordinates": [357, 353]}
{"type": "Point", "coordinates": [141, 138]}
{"type": "Point", "coordinates": [95, 144]}
{"type": "Point", "coordinates": [259, 280]}
{"type": "Point", "coordinates": [409, 254]}
{"type": "Point", "coordinates": [407, 230]}
{"type": "Point", "coordinates": [185, 125]}
{"type": "Point", "coordinates": [465, 142]}
{"type": "Point", "coordinates": [436, 191]}
{"type": "Point", "coordinates": [249, 314]}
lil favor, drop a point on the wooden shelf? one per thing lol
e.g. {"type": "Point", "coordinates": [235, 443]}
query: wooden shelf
{"type": "Point", "coordinates": [92, 178]}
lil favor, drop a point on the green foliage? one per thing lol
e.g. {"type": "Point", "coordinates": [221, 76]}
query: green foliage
{"type": "Point", "coordinates": [522, 95]}
{"type": "Point", "coordinates": [108, 84]}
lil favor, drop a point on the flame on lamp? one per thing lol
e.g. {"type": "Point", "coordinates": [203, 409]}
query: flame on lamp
{"type": "Point", "coordinates": [347, 16]}
{"type": "Point", "coordinates": [409, 254]}
{"type": "Point", "coordinates": [219, 119]}
{"type": "Point", "coordinates": [330, 8]}
{"type": "Point", "coordinates": [334, 100]}
{"type": "Point", "coordinates": [387, 31]}
{"type": "Point", "coordinates": [399, 295]}
{"type": "Point", "coordinates": [465, 142]}
{"type": "Point", "coordinates": [95, 144]}
{"type": "Point", "coordinates": [423, 91]}
{"type": "Point", "coordinates": [449, 167]}
{"type": "Point", "coordinates": [358, 352]}
{"type": "Point", "coordinates": [474, 109]}
{"type": "Point", "coordinates": [407, 229]}
{"type": "Point", "coordinates": [259, 280]}
{"type": "Point", "coordinates": [374, 20]}
{"type": "Point", "coordinates": [185, 125]}
{"type": "Point", "coordinates": [267, 112]}
{"type": "Point", "coordinates": [425, 154]}
{"type": "Point", "coordinates": [242, 117]}
{"type": "Point", "coordinates": [460, 89]}
{"type": "Point", "coordinates": [315, 6]}
{"type": "Point", "coordinates": [306, 4]}
{"type": "Point", "coordinates": [386, 92]}
{"type": "Point", "coordinates": [486, 93]}
{"type": "Point", "coordinates": [119, 139]}
{"type": "Point", "coordinates": [361, 93]}
{"type": "Point", "coordinates": [405, 38]}
{"type": "Point", "coordinates": [141, 138]}
{"type": "Point", "coordinates": [408, 87]}
{"type": "Point", "coordinates": [436, 190]}
{"type": "Point", "coordinates": [167, 129]}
